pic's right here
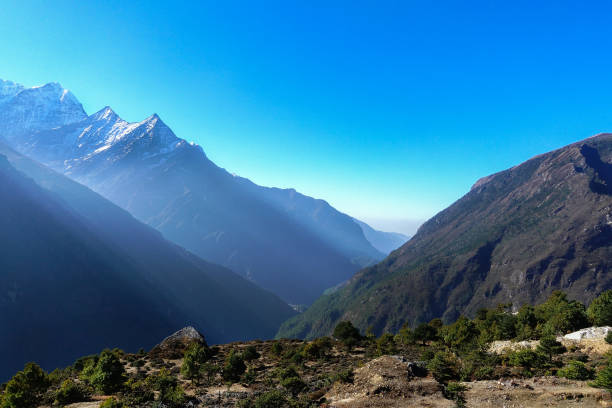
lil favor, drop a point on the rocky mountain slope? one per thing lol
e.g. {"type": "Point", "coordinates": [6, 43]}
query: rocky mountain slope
{"type": "Point", "coordinates": [514, 237]}
{"type": "Point", "coordinates": [291, 244]}
{"type": "Point", "coordinates": [80, 274]}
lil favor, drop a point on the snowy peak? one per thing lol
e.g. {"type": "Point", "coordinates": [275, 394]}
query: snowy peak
{"type": "Point", "coordinates": [9, 89]}
{"type": "Point", "coordinates": [105, 114]}
{"type": "Point", "coordinates": [28, 110]}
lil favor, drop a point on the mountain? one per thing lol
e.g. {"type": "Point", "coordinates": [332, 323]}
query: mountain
{"type": "Point", "coordinates": [291, 244]}
{"type": "Point", "coordinates": [80, 274]}
{"type": "Point", "coordinates": [385, 242]}
{"type": "Point", "coordinates": [514, 237]}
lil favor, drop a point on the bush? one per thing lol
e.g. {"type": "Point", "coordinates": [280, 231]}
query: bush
{"type": "Point", "coordinates": [270, 399]}
{"type": "Point", "coordinates": [575, 370]}
{"type": "Point", "coordinates": [70, 392]}
{"type": "Point", "coordinates": [609, 337]}
{"type": "Point", "coordinates": [603, 379]}
{"type": "Point", "coordinates": [234, 367]}
{"type": "Point", "coordinates": [424, 333]}
{"type": "Point", "coordinates": [385, 345]}
{"type": "Point", "coordinates": [25, 388]}
{"type": "Point", "coordinates": [137, 392]}
{"type": "Point", "coordinates": [600, 309]}
{"type": "Point", "coordinates": [108, 375]}
{"type": "Point", "coordinates": [454, 391]}
{"type": "Point", "coordinates": [527, 358]}
{"type": "Point", "coordinates": [444, 367]}
{"type": "Point", "coordinates": [405, 335]}
{"type": "Point", "coordinates": [209, 371]}
{"type": "Point", "coordinates": [318, 348]}
{"type": "Point", "coordinates": [460, 335]}
{"type": "Point", "coordinates": [293, 384]}
{"type": "Point", "coordinates": [277, 349]}
{"type": "Point", "coordinates": [195, 356]}
{"type": "Point", "coordinates": [250, 354]}
{"type": "Point", "coordinates": [112, 403]}
{"type": "Point", "coordinates": [526, 323]}
{"type": "Point", "coordinates": [550, 347]}
{"type": "Point", "coordinates": [170, 391]}
{"type": "Point", "coordinates": [347, 334]}
{"type": "Point", "coordinates": [478, 365]}
{"type": "Point", "coordinates": [560, 315]}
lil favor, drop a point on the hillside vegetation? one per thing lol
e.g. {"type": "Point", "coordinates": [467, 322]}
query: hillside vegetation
{"type": "Point", "coordinates": [435, 365]}
{"type": "Point", "coordinates": [516, 236]}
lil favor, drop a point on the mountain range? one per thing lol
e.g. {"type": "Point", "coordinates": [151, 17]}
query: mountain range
{"type": "Point", "coordinates": [81, 274]}
{"type": "Point", "coordinates": [515, 237]}
{"type": "Point", "coordinates": [286, 242]}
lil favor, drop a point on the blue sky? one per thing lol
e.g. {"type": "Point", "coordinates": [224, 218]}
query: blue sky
{"type": "Point", "coordinates": [388, 110]}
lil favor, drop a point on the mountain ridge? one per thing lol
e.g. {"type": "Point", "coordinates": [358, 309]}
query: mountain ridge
{"type": "Point", "coordinates": [174, 286]}
{"type": "Point", "coordinates": [514, 237]}
{"type": "Point", "coordinates": [170, 184]}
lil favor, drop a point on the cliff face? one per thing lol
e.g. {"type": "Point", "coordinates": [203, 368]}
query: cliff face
{"type": "Point", "coordinates": [514, 237]}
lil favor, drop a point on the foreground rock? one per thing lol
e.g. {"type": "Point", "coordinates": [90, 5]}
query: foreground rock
{"type": "Point", "coordinates": [591, 333]}
{"type": "Point", "coordinates": [388, 381]}
{"type": "Point", "coordinates": [174, 346]}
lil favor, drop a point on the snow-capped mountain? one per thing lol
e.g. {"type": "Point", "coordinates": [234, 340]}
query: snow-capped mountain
{"type": "Point", "coordinates": [289, 243]}
{"type": "Point", "coordinates": [26, 110]}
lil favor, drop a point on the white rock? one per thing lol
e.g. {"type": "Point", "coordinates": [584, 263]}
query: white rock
{"type": "Point", "coordinates": [589, 333]}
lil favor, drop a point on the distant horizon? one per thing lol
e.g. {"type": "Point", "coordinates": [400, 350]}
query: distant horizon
{"type": "Point", "coordinates": [374, 111]}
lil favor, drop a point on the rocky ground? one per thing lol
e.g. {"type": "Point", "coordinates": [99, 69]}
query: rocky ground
{"type": "Point", "coordinates": [385, 381]}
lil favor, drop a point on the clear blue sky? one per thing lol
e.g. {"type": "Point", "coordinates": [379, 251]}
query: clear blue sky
{"type": "Point", "coordinates": [388, 110]}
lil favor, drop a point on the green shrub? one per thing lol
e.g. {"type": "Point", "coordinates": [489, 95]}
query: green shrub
{"type": "Point", "coordinates": [527, 358]}
{"type": "Point", "coordinates": [249, 376]}
{"type": "Point", "coordinates": [234, 367]}
{"type": "Point", "coordinates": [600, 309]}
{"type": "Point", "coordinates": [560, 315]}
{"type": "Point", "coordinates": [609, 337]}
{"type": "Point", "coordinates": [444, 367]}
{"type": "Point", "coordinates": [405, 335]}
{"type": "Point", "coordinates": [286, 372]}
{"type": "Point", "coordinates": [454, 391]}
{"type": "Point", "coordinates": [277, 348]}
{"type": "Point", "coordinates": [270, 399]}
{"type": "Point", "coordinates": [107, 375]}
{"type": "Point", "coordinates": [550, 347]}
{"type": "Point", "coordinates": [385, 345]}
{"type": "Point", "coordinates": [112, 403]}
{"type": "Point", "coordinates": [461, 335]}
{"type": "Point", "coordinates": [526, 323]}
{"type": "Point", "coordinates": [318, 348]}
{"type": "Point", "coordinates": [209, 371]}
{"type": "Point", "coordinates": [25, 388]}
{"type": "Point", "coordinates": [170, 391]}
{"type": "Point", "coordinates": [293, 384]}
{"type": "Point", "coordinates": [575, 370]}
{"type": "Point", "coordinates": [478, 365]}
{"type": "Point", "coordinates": [603, 379]}
{"type": "Point", "coordinates": [71, 391]}
{"type": "Point", "coordinates": [424, 333]}
{"type": "Point", "coordinates": [250, 353]}
{"type": "Point", "coordinates": [195, 356]}
{"type": "Point", "coordinates": [347, 334]}
{"type": "Point", "coordinates": [137, 392]}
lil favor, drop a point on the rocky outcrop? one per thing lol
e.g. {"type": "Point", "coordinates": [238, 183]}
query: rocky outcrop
{"type": "Point", "coordinates": [174, 346]}
{"type": "Point", "coordinates": [593, 333]}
